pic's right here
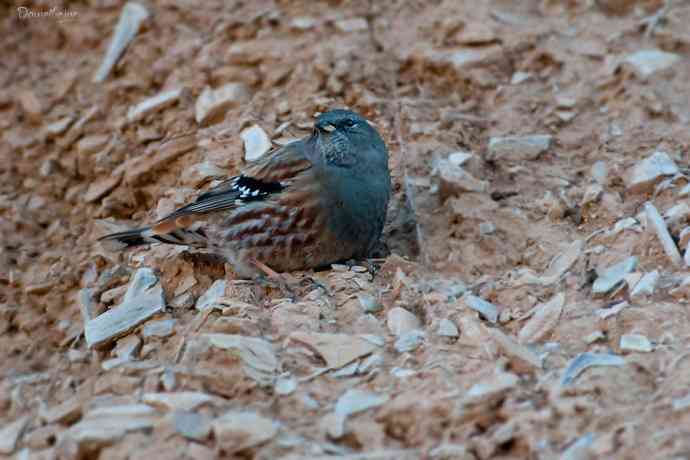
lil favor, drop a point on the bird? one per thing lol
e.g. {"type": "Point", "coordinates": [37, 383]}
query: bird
{"type": "Point", "coordinates": [311, 203]}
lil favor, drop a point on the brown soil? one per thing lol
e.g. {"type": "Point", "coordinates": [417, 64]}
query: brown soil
{"type": "Point", "coordinates": [400, 67]}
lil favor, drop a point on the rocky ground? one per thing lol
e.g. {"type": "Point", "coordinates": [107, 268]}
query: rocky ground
{"type": "Point", "coordinates": [530, 296]}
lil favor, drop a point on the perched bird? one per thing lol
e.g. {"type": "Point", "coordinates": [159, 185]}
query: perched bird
{"type": "Point", "coordinates": [313, 202]}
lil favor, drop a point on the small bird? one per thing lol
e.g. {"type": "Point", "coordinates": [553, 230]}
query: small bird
{"type": "Point", "coordinates": [313, 202]}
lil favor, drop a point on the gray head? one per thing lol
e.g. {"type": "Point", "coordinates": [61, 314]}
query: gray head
{"type": "Point", "coordinates": [346, 139]}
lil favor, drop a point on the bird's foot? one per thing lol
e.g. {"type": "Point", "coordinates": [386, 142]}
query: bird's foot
{"type": "Point", "coordinates": [268, 277]}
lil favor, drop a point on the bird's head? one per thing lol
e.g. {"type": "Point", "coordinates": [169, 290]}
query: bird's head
{"type": "Point", "coordinates": [347, 139]}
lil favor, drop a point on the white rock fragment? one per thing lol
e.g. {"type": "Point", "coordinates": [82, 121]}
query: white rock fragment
{"type": "Point", "coordinates": [491, 389]}
{"type": "Point", "coordinates": [677, 213]}
{"type": "Point", "coordinates": [455, 180]}
{"type": "Point", "coordinates": [286, 384]}
{"type": "Point", "coordinates": [600, 172]}
{"type": "Point", "coordinates": [181, 400]}
{"type": "Point", "coordinates": [486, 309]}
{"type": "Point", "coordinates": [651, 169]}
{"type": "Point", "coordinates": [159, 328]}
{"type": "Point", "coordinates": [409, 341]}
{"type": "Point", "coordinates": [303, 23]}
{"type": "Point", "coordinates": [518, 148]}
{"type": "Point", "coordinates": [92, 144]}
{"type": "Point", "coordinates": [520, 77]}
{"type": "Point", "coordinates": [543, 321]}
{"type": "Point", "coordinates": [685, 191]}
{"type": "Point", "coordinates": [459, 158]}
{"type": "Point", "coordinates": [683, 403]}
{"type": "Point", "coordinates": [605, 313]}
{"type": "Point", "coordinates": [558, 267]}
{"type": "Point", "coordinates": [58, 127]}
{"type": "Point", "coordinates": [635, 342]}
{"type": "Point", "coordinates": [257, 355]}
{"type": "Point", "coordinates": [192, 425]}
{"type": "Point", "coordinates": [337, 350]}
{"type": "Point", "coordinates": [256, 142]}
{"type": "Point", "coordinates": [487, 228]}
{"type": "Point", "coordinates": [447, 328]}
{"type": "Point", "coordinates": [518, 354]}
{"type": "Point", "coordinates": [584, 361]}
{"type": "Point", "coordinates": [10, 434]}
{"type": "Point", "coordinates": [580, 449]}
{"type": "Point", "coordinates": [133, 14]}
{"type": "Point", "coordinates": [657, 223]}
{"type": "Point", "coordinates": [401, 321]}
{"type": "Point", "coordinates": [352, 402]}
{"type": "Point", "coordinates": [153, 104]}
{"type": "Point", "coordinates": [211, 297]}
{"type": "Point", "coordinates": [352, 25]}
{"type": "Point", "coordinates": [628, 223]}
{"type": "Point", "coordinates": [236, 430]}
{"type": "Point", "coordinates": [369, 303]}
{"type": "Point", "coordinates": [211, 103]}
{"type": "Point", "coordinates": [143, 299]}
{"type": "Point", "coordinates": [646, 286]}
{"type": "Point", "coordinates": [647, 62]}
{"type": "Point", "coordinates": [614, 275]}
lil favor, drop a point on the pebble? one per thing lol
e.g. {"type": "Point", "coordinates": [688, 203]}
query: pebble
{"type": "Point", "coordinates": [454, 180]}
{"type": "Point", "coordinates": [58, 127]}
{"type": "Point", "coordinates": [192, 425]}
{"type": "Point", "coordinates": [646, 286]}
{"type": "Point", "coordinates": [352, 25]}
{"type": "Point", "coordinates": [143, 299]}
{"type": "Point", "coordinates": [131, 18]}
{"type": "Point", "coordinates": [239, 430]}
{"type": "Point", "coordinates": [657, 223]}
{"type": "Point", "coordinates": [256, 142]}
{"type": "Point", "coordinates": [211, 296]}
{"type": "Point", "coordinates": [286, 384]}
{"type": "Point", "coordinates": [211, 103]}
{"type": "Point", "coordinates": [520, 77]}
{"type": "Point", "coordinates": [585, 360]}
{"type": "Point", "coordinates": [487, 228]}
{"type": "Point", "coordinates": [369, 303]}
{"type": "Point", "coordinates": [159, 328]}
{"type": "Point", "coordinates": [614, 275]}
{"type": "Point", "coordinates": [635, 342]}
{"type": "Point", "coordinates": [459, 158]}
{"type": "Point", "coordinates": [92, 144]}
{"type": "Point", "coordinates": [353, 401]}
{"type": "Point", "coordinates": [10, 434]}
{"type": "Point", "coordinates": [447, 328]}
{"type": "Point", "coordinates": [486, 309]}
{"type": "Point", "coordinates": [518, 148]}
{"type": "Point", "coordinates": [409, 341]}
{"type": "Point", "coordinates": [153, 104]}
{"type": "Point", "coordinates": [645, 63]}
{"type": "Point", "coordinates": [180, 400]}
{"type": "Point", "coordinates": [401, 321]}
{"type": "Point", "coordinates": [599, 172]}
{"type": "Point", "coordinates": [303, 23]}
{"type": "Point", "coordinates": [651, 169]}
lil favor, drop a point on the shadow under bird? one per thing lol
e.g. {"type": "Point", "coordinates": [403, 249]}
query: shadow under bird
{"type": "Point", "coordinates": [311, 203]}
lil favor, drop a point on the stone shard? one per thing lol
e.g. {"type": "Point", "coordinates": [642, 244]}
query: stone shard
{"type": "Point", "coordinates": [143, 299]}
{"type": "Point", "coordinates": [131, 18]}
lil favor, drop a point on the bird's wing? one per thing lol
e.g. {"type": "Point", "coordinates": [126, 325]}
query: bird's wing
{"type": "Point", "coordinates": [259, 180]}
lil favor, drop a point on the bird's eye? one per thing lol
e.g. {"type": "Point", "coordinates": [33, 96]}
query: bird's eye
{"type": "Point", "coordinates": [350, 123]}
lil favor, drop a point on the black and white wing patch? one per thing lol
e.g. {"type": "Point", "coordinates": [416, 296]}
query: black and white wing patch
{"type": "Point", "coordinates": [230, 194]}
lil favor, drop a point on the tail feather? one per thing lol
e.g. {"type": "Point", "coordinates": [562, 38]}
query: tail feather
{"type": "Point", "coordinates": [146, 235]}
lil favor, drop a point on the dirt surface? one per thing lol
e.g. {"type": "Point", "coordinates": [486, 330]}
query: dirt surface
{"type": "Point", "coordinates": [388, 361]}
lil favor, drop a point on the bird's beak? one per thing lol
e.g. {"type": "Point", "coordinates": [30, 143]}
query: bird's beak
{"type": "Point", "coordinates": [328, 128]}
{"type": "Point", "coordinates": [371, 124]}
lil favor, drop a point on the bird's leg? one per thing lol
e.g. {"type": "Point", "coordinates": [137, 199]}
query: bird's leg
{"type": "Point", "coordinates": [287, 288]}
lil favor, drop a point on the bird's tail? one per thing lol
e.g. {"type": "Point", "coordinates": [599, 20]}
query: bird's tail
{"type": "Point", "coordinates": [147, 235]}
